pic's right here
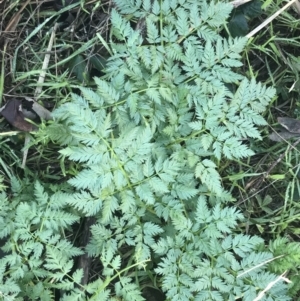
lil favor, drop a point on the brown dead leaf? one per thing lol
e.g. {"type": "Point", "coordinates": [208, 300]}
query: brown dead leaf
{"type": "Point", "coordinates": [12, 112]}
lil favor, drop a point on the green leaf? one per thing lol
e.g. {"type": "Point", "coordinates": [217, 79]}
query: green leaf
{"type": "Point", "coordinates": [78, 66]}
{"type": "Point", "coordinates": [238, 25]}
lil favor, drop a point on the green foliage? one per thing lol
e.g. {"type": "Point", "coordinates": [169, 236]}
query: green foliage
{"type": "Point", "coordinates": [287, 257]}
{"type": "Point", "coordinates": [33, 221]}
{"type": "Point", "coordinates": [150, 141]}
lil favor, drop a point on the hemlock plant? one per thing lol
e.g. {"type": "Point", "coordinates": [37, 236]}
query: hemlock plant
{"type": "Point", "coordinates": [150, 141]}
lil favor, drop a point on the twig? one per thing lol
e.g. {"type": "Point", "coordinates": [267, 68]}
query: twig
{"type": "Point", "coordinates": [41, 80]}
{"type": "Point", "coordinates": [25, 153]}
{"type": "Point", "coordinates": [258, 266]}
{"type": "Point", "coordinates": [38, 89]}
{"type": "Point", "coordinates": [297, 7]}
{"type": "Point", "coordinates": [266, 22]}
{"type": "Point", "coordinates": [272, 283]}
{"type": "Point", "coordinates": [237, 3]}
